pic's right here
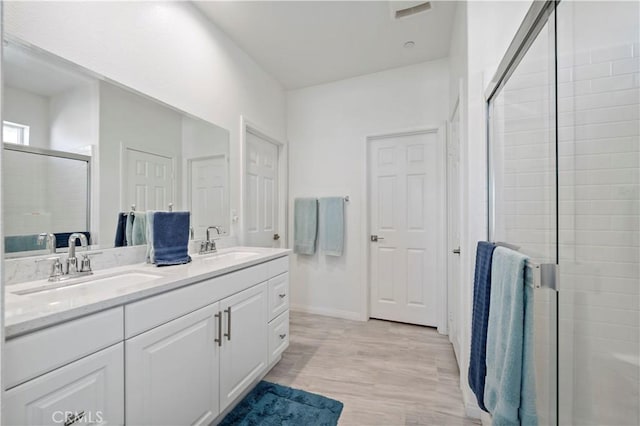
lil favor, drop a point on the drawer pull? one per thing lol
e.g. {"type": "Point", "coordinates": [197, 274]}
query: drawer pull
{"type": "Point", "coordinates": [228, 333]}
{"type": "Point", "coordinates": [282, 336]}
{"type": "Point", "coordinates": [282, 295]}
{"type": "Point", "coordinates": [73, 418]}
{"type": "Point", "coordinates": [218, 340]}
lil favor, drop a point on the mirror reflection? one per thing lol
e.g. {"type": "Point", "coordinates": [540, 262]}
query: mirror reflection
{"type": "Point", "coordinates": [82, 153]}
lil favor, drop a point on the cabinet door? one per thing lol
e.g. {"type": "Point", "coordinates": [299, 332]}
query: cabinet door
{"type": "Point", "coordinates": [244, 349]}
{"type": "Point", "coordinates": [172, 372]}
{"type": "Point", "coordinates": [87, 391]}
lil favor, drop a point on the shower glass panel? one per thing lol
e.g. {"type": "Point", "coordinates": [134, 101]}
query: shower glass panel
{"type": "Point", "coordinates": [599, 207]}
{"type": "Point", "coordinates": [523, 186]}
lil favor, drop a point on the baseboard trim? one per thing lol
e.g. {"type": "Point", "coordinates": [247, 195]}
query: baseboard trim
{"type": "Point", "coordinates": [327, 312]}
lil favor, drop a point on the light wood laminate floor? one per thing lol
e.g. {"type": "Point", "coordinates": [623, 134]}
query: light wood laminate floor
{"type": "Point", "coordinates": [385, 373]}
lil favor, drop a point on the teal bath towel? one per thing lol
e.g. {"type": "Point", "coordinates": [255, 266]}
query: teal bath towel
{"type": "Point", "coordinates": [305, 225]}
{"type": "Point", "coordinates": [509, 393]}
{"type": "Point", "coordinates": [139, 229]}
{"type": "Point", "coordinates": [332, 225]}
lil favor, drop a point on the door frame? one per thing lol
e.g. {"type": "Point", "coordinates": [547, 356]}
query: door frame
{"type": "Point", "coordinates": [457, 109]}
{"type": "Point", "coordinates": [247, 126]}
{"type": "Point", "coordinates": [187, 166]}
{"type": "Point", "coordinates": [365, 220]}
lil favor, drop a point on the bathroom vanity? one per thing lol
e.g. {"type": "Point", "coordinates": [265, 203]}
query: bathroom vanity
{"type": "Point", "coordinates": [143, 345]}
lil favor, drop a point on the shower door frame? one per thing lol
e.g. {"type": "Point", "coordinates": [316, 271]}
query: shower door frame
{"type": "Point", "coordinates": [538, 16]}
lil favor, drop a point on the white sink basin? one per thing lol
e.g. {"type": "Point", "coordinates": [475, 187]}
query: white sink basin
{"type": "Point", "coordinates": [130, 277]}
{"type": "Point", "coordinates": [229, 256]}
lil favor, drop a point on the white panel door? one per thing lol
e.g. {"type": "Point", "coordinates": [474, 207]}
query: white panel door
{"type": "Point", "coordinates": [406, 184]}
{"type": "Point", "coordinates": [149, 181]}
{"type": "Point", "coordinates": [261, 195]}
{"type": "Point", "coordinates": [172, 372]}
{"type": "Point", "coordinates": [87, 391]}
{"type": "Point", "coordinates": [209, 199]}
{"type": "Point", "coordinates": [245, 346]}
{"type": "Point", "coordinates": [453, 233]}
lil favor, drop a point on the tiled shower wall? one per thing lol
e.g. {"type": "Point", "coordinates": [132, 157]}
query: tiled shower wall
{"type": "Point", "coordinates": [598, 161]}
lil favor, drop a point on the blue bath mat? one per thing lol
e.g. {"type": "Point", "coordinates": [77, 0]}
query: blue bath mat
{"type": "Point", "coordinates": [269, 404]}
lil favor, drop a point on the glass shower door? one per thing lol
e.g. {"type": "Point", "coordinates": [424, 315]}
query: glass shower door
{"type": "Point", "coordinates": [599, 208]}
{"type": "Point", "coordinates": [523, 188]}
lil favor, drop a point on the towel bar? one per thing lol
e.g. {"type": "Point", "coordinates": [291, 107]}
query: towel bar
{"type": "Point", "coordinates": [544, 274]}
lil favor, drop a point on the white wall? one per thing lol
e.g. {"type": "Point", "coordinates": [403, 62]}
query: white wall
{"type": "Point", "coordinates": [27, 108]}
{"type": "Point", "coordinates": [167, 50]}
{"type": "Point", "coordinates": [327, 126]}
{"type": "Point", "coordinates": [73, 116]}
{"type": "Point", "coordinates": [131, 121]}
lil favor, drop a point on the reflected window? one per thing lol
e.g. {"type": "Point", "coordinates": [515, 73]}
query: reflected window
{"type": "Point", "coordinates": [15, 133]}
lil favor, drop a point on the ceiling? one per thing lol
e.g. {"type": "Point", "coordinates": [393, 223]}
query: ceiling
{"type": "Point", "coordinates": [24, 70]}
{"type": "Point", "coordinates": [304, 43]}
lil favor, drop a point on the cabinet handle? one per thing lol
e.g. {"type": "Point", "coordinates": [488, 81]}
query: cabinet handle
{"type": "Point", "coordinates": [228, 333]}
{"type": "Point", "coordinates": [219, 339]}
{"type": "Point", "coordinates": [73, 418]}
{"type": "Point", "coordinates": [282, 336]}
{"type": "Point", "coordinates": [282, 295]}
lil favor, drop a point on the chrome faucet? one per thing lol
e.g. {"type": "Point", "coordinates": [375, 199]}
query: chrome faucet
{"type": "Point", "coordinates": [209, 245]}
{"type": "Point", "coordinates": [48, 239]}
{"type": "Point", "coordinates": [72, 260]}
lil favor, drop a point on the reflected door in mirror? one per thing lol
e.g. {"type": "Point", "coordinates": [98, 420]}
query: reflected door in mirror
{"type": "Point", "coordinates": [150, 180]}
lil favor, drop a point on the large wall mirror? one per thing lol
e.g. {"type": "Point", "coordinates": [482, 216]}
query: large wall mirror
{"type": "Point", "coordinates": [79, 151]}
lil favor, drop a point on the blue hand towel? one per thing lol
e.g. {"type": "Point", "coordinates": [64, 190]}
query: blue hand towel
{"type": "Point", "coordinates": [171, 238]}
{"type": "Point", "coordinates": [121, 236]}
{"type": "Point", "coordinates": [480, 319]}
{"type": "Point", "coordinates": [128, 229]}
{"type": "Point", "coordinates": [305, 225]}
{"type": "Point", "coordinates": [332, 225]}
{"type": "Point", "coordinates": [18, 243]}
{"type": "Point", "coordinates": [139, 229]}
{"type": "Point", "coordinates": [508, 393]}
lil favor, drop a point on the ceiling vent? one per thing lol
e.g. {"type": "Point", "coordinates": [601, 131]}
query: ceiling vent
{"type": "Point", "coordinates": [402, 9]}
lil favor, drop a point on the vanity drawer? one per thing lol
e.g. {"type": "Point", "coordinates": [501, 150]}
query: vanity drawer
{"type": "Point", "coordinates": [278, 336]}
{"type": "Point", "coordinates": [278, 266]}
{"type": "Point", "coordinates": [157, 310]}
{"type": "Point", "coordinates": [37, 353]}
{"type": "Point", "coordinates": [278, 295]}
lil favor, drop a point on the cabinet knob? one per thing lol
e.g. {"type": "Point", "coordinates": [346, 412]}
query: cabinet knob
{"type": "Point", "coordinates": [282, 336]}
{"type": "Point", "coordinates": [282, 295]}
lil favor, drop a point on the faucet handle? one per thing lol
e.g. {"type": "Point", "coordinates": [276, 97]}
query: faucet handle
{"type": "Point", "coordinates": [56, 267]}
{"type": "Point", "coordinates": [85, 263]}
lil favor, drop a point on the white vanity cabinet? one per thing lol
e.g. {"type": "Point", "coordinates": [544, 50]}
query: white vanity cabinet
{"type": "Point", "coordinates": [244, 348]}
{"type": "Point", "coordinates": [179, 357]}
{"type": "Point", "coordinates": [172, 371]}
{"type": "Point", "coordinates": [85, 392]}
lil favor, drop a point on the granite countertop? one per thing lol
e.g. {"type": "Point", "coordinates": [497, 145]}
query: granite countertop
{"type": "Point", "coordinates": [29, 312]}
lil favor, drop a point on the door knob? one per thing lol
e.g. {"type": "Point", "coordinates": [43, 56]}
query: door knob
{"type": "Point", "coordinates": [456, 250]}
{"type": "Point", "coordinates": [375, 238]}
